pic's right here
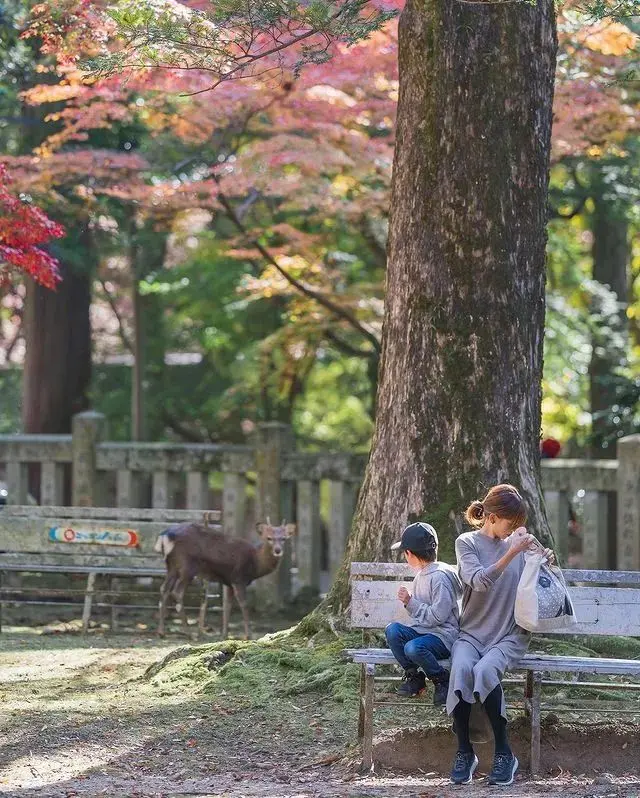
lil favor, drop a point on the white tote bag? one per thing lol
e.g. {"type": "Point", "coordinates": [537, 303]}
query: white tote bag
{"type": "Point", "coordinates": [543, 603]}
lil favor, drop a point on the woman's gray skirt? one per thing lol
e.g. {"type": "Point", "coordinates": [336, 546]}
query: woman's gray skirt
{"type": "Point", "coordinates": [475, 675]}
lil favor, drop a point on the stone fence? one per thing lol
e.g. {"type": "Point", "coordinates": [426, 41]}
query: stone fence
{"type": "Point", "coordinates": [270, 479]}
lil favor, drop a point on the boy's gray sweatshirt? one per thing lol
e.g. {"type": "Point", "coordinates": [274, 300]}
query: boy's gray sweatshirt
{"type": "Point", "coordinates": [434, 605]}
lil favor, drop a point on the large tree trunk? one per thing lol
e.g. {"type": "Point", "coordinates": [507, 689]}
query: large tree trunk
{"type": "Point", "coordinates": [57, 367]}
{"type": "Point", "coordinates": [611, 262]}
{"type": "Point", "coordinates": [459, 388]}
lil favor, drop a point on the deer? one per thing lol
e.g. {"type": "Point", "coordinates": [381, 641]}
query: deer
{"type": "Point", "coordinates": [196, 549]}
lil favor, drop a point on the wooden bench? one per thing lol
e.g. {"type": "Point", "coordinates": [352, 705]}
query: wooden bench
{"type": "Point", "coordinates": [96, 542]}
{"type": "Point", "coordinates": [606, 603]}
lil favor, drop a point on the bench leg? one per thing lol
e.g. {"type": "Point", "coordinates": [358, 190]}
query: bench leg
{"type": "Point", "coordinates": [361, 704]}
{"type": "Point", "coordinates": [528, 694]}
{"type": "Point", "coordinates": [202, 614]}
{"type": "Point", "coordinates": [367, 722]}
{"type": "Point", "coordinates": [113, 589]}
{"type": "Point", "coordinates": [536, 694]}
{"type": "Point", "coordinates": [0, 601]}
{"type": "Point", "coordinates": [226, 610]}
{"type": "Point", "coordinates": [88, 601]}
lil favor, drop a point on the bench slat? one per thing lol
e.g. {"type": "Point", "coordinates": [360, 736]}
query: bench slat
{"type": "Point", "coordinates": [530, 662]}
{"type": "Point", "coordinates": [403, 571]}
{"type": "Point", "coordinates": [29, 532]}
{"type": "Point", "coordinates": [600, 610]}
{"type": "Point", "coordinates": [132, 570]}
{"type": "Point", "coordinates": [8, 560]}
{"type": "Point", "coordinates": [126, 515]}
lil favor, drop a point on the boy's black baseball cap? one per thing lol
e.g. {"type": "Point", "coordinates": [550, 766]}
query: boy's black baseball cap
{"type": "Point", "coordinates": [420, 538]}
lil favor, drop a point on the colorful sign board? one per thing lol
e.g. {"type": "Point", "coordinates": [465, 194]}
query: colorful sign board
{"type": "Point", "coordinates": [103, 537]}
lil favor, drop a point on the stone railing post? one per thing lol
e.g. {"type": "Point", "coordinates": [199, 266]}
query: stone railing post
{"type": "Point", "coordinates": [308, 534]}
{"type": "Point", "coordinates": [557, 505]}
{"type": "Point", "coordinates": [628, 537]}
{"type": "Point", "coordinates": [272, 441]}
{"type": "Point", "coordinates": [87, 429]}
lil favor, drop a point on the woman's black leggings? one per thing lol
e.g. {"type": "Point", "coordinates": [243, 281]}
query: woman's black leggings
{"type": "Point", "coordinates": [492, 706]}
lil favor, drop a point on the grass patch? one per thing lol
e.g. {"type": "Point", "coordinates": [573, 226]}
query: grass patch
{"type": "Point", "coordinates": [283, 664]}
{"type": "Point", "coordinates": [308, 659]}
{"type": "Point", "coordinates": [584, 646]}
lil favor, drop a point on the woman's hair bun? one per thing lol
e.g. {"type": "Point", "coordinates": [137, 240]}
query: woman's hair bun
{"type": "Point", "coordinates": [475, 513]}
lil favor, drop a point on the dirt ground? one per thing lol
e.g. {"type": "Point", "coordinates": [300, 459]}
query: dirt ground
{"type": "Point", "coordinates": [77, 718]}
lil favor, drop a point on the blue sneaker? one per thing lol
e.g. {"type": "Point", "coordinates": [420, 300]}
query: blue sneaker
{"type": "Point", "coordinates": [413, 684]}
{"type": "Point", "coordinates": [464, 766]}
{"type": "Point", "coordinates": [504, 769]}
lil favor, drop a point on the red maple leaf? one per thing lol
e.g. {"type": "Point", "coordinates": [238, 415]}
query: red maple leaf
{"type": "Point", "coordinates": [24, 230]}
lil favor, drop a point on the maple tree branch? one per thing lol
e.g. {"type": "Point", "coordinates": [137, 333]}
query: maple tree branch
{"type": "Point", "coordinates": [556, 213]}
{"type": "Point", "coordinates": [14, 341]}
{"type": "Point", "coordinates": [336, 310]}
{"type": "Point", "coordinates": [187, 434]}
{"type": "Point", "coordinates": [377, 249]}
{"type": "Point", "coordinates": [347, 348]}
{"type": "Point", "coordinates": [112, 304]}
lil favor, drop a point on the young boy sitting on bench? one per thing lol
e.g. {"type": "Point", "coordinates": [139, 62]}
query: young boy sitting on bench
{"type": "Point", "coordinates": [433, 612]}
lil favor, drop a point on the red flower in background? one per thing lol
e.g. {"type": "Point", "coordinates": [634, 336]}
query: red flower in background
{"type": "Point", "coordinates": [24, 229]}
{"type": "Point", "coordinates": [550, 448]}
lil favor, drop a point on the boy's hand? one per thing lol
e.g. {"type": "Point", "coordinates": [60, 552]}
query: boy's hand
{"type": "Point", "coordinates": [404, 595]}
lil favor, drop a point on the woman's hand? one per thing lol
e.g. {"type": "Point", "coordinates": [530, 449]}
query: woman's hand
{"type": "Point", "coordinates": [404, 595]}
{"type": "Point", "coordinates": [520, 540]}
{"type": "Point", "coordinates": [551, 557]}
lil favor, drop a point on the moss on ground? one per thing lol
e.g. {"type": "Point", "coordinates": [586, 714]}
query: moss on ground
{"type": "Point", "coordinates": [286, 663]}
{"type": "Point", "coordinates": [588, 646]}
{"type": "Point", "coordinates": [308, 659]}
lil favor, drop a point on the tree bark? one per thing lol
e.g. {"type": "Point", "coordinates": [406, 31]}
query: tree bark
{"type": "Point", "coordinates": [458, 406]}
{"type": "Point", "coordinates": [57, 367]}
{"type": "Point", "coordinates": [138, 416]}
{"type": "Point", "coordinates": [611, 264]}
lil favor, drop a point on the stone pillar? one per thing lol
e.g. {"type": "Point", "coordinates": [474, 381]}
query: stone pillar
{"type": "Point", "coordinates": [234, 501]}
{"type": "Point", "coordinates": [197, 490]}
{"type": "Point", "coordinates": [308, 543]}
{"type": "Point", "coordinates": [629, 503]}
{"type": "Point", "coordinates": [272, 440]}
{"type": "Point", "coordinates": [127, 488]}
{"type": "Point", "coordinates": [88, 429]}
{"type": "Point", "coordinates": [161, 490]}
{"type": "Point", "coordinates": [343, 502]}
{"type": "Point", "coordinates": [17, 483]}
{"type": "Point", "coordinates": [557, 504]}
{"type": "Point", "coordinates": [52, 484]}
{"type": "Point", "coordinates": [595, 540]}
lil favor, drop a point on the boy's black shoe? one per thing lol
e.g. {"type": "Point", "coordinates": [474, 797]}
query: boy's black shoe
{"type": "Point", "coordinates": [504, 769]}
{"type": "Point", "coordinates": [440, 689]}
{"type": "Point", "coordinates": [464, 766]}
{"type": "Point", "coordinates": [413, 683]}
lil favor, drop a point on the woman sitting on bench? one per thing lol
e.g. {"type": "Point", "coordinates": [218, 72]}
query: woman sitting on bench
{"type": "Point", "coordinates": [490, 562]}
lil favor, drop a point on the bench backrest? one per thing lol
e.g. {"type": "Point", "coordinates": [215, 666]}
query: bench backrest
{"type": "Point", "coordinates": [606, 602]}
{"type": "Point", "coordinates": [100, 536]}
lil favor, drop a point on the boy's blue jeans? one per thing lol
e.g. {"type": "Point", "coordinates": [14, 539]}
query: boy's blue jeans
{"type": "Point", "coordinates": [415, 650]}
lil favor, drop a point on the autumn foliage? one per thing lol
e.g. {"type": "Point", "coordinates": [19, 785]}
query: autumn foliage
{"type": "Point", "coordinates": [24, 230]}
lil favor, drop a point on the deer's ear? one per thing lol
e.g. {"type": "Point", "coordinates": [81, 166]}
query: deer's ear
{"type": "Point", "coordinates": [290, 530]}
{"type": "Point", "coordinates": [262, 529]}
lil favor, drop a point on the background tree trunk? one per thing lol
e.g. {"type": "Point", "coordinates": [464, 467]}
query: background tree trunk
{"type": "Point", "coordinates": [611, 264]}
{"type": "Point", "coordinates": [57, 368]}
{"type": "Point", "coordinates": [459, 385]}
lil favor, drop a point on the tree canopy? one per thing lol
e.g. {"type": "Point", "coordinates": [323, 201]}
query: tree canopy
{"type": "Point", "coordinates": [270, 194]}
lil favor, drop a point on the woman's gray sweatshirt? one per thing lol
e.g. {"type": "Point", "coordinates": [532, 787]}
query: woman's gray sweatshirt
{"type": "Point", "coordinates": [434, 606]}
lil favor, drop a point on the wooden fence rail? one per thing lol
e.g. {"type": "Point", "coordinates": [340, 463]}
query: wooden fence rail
{"type": "Point", "coordinates": [269, 478]}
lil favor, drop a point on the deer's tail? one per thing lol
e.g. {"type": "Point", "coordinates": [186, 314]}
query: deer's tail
{"type": "Point", "coordinates": [165, 543]}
